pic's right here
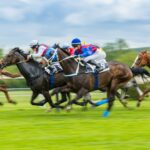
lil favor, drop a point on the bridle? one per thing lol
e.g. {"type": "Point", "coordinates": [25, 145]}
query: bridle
{"type": "Point", "coordinates": [78, 65]}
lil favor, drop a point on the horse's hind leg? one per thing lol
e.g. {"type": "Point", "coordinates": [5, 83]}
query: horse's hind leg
{"type": "Point", "coordinates": [123, 102]}
{"type": "Point", "coordinates": [3, 89]}
{"type": "Point", "coordinates": [79, 95]}
{"type": "Point", "coordinates": [63, 99]}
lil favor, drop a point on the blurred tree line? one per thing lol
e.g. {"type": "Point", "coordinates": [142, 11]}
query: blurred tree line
{"type": "Point", "coordinates": [1, 52]}
{"type": "Point", "coordinates": [119, 44]}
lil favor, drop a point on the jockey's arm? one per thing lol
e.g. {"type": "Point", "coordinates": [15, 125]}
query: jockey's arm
{"type": "Point", "coordinates": [40, 52]}
{"type": "Point", "coordinates": [86, 52]}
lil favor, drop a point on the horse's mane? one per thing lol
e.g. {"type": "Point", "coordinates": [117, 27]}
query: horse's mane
{"type": "Point", "coordinates": [22, 53]}
{"type": "Point", "coordinates": [145, 52]}
{"type": "Point", "coordinates": [62, 49]}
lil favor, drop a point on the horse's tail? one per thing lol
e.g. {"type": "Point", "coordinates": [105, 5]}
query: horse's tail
{"type": "Point", "coordinates": [140, 71]}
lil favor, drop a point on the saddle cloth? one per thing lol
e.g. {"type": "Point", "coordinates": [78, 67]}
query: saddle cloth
{"type": "Point", "coordinates": [92, 68]}
{"type": "Point", "coordinates": [55, 68]}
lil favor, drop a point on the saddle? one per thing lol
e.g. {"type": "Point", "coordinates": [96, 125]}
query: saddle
{"type": "Point", "coordinates": [90, 68]}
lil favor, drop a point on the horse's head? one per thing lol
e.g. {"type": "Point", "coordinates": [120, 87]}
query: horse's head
{"type": "Point", "coordinates": [13, 57]}
{"type": "Point", "coordinates": [143, 59]}
{"type": "Point", "coordinates": [62, 53]}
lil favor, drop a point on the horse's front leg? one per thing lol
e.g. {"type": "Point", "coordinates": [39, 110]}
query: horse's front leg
{"type": "Point", "coordinates": [122, 99]}
{"type": "Point", "coordinates": [34, 95]}
{"type": "Point", "coordinates": [111, 92]}
{"type": "Point", "coordinates": [3, 89]}
{"type": "Point", "coordinates": [142, 96]}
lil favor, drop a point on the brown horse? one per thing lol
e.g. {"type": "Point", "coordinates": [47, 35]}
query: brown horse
{"type": "Point", "coordinates": [82, 83]}
{"type": "Point", "coordinates": [143, 59]}
{"type": "Point", "coordinates": [3, 87]}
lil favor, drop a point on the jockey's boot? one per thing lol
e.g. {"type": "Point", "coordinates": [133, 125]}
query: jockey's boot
{"type": "Point", "coordinates": [99, 67]}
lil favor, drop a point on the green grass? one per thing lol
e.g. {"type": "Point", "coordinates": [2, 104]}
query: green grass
{"type": "Point", "coordinates": [26, 127]}
{"type": "Point", "coordinates": [124, 56]}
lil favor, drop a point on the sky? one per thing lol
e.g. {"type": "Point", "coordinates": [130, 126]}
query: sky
{"type": "Point", "coordinates": [93, 21]}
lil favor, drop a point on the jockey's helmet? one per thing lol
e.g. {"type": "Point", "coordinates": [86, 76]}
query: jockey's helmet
{"type": "Point", "coordinates": [76, 42]}
{"type": "Point", "coordinates": [34, 43]}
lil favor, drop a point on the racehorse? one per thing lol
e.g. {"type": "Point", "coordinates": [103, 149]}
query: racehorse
{"type": "Point", "coordinates": [37, 79]}
{"type": "Point", "coordinates": [143, 59]}
{"type": "Point", "coordinates": [137, 72]}
{"type": "Point", "coordinates": [3, 87]}
{"type": "Point", "coordinates": [83, 83]}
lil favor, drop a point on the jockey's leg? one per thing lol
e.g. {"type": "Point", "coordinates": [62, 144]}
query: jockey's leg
{"type": "Point", "coordinates": [93, 62]}
{"type": "Point", "coordinates": [98, 59]}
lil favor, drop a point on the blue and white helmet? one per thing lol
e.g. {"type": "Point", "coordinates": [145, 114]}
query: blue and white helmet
{"type": "Point", "coordinates": [34, 43]}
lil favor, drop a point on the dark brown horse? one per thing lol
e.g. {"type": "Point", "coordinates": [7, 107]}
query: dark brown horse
{"type": "Point", "coordinates": [3, 87]}
{"type": "Point", "coordinates": [143, 59]}
{"type": "Point", "coordinates": [82, 83]}
{"type": "Point", "coordinates": [37, 79]}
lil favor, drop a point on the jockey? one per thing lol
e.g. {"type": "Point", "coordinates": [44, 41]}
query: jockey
{"type": "Point", "coordinates": [51, 58]}
{"type": "Point", "coordinates": [39, 50]}
{"type": "Point", "coordinates": [91, 54]}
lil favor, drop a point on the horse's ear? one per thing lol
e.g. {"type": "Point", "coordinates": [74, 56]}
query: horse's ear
{"type": "Point", "coordinates": [56, 45]}
{"type": "Point", "coordinates": [16, 49]}
{"type": "Point", "coordinates": [144, 51]}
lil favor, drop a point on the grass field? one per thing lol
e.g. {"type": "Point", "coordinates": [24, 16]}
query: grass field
{"type": "Point", "coordinates": [26, 127]}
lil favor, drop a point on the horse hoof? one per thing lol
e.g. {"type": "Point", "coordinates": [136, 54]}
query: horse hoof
{"type": "Point", "coordinates": [68, 108]}
{"type": "Point", "coordinates": [138, 105]}
{"type": "Point", "coordinates": [106, 113]}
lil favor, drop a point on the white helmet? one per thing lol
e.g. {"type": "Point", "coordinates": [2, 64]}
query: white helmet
{"type": "Point", "coordinates": [34, 43]}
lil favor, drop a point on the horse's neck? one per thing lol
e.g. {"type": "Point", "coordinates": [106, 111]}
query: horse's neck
{"type": "Point", "coordinates": [70, 66]}
{"type": "Point", "coordinates": [29, 71]}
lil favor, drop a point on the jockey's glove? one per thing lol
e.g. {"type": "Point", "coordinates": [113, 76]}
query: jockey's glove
{"type": "Point", "coordinates": [29, 57]}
